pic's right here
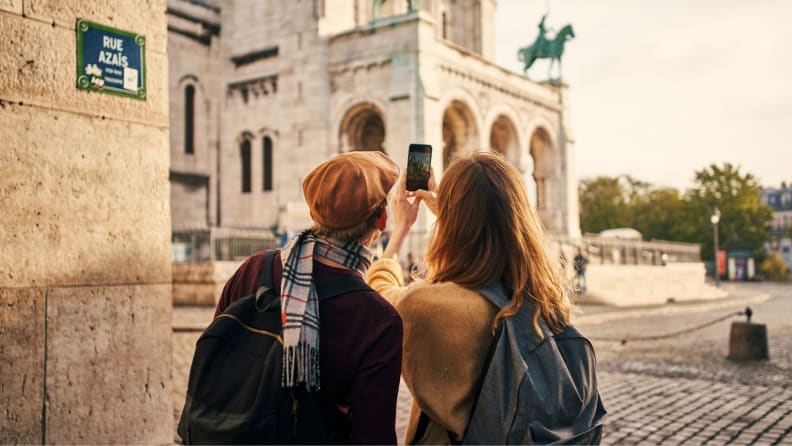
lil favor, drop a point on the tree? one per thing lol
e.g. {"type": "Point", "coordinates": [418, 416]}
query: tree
{"type": "Point", "coordinates": [603, 204]}
{"type": "Point", "coordinates": [657, 214]}
{"type": "Point", "coordinates": [773, 268]}
{"type": "Point", "coordinates": [662, 214]}
{"type": "Point", "coordinates": [615, 202]}
{"type": "Point", "coordinates": [736, 195]}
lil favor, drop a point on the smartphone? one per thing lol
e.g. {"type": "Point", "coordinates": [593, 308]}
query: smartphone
{"type": "Point", "coordinates": [419, 159]}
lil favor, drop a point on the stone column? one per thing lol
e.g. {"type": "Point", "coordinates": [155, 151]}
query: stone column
{"type": "Point", "coordinates": [85, 306]}
{"type": "Point", "coordinates": [567, 145]}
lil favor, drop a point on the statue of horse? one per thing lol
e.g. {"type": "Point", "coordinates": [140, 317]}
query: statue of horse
{"type": "Point", "coordinates": [546, 49]}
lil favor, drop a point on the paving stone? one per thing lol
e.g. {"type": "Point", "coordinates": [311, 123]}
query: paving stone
{"type": "Point", "coordinates": [707, 401]}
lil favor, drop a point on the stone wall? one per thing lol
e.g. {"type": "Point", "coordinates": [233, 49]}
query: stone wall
{"type": "Point", "coordinates": [85, 307]}
{"type": "Point", "coordinates": [189, 205]}
{"type": "Point", "coordinates": [201, 283]}
{"type": "Point", "coordinates": [193, 62]}
{"type": "Point", "coordinates": [635, 285]}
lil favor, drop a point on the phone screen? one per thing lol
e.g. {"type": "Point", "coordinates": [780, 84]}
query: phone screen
{"type": "Point", "coordinates": [419, 159]}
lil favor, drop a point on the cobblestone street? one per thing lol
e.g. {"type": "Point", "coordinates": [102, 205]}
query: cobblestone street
{"type": "Point", "coordinates": [646, 409]}
{"type": "Point", "coordinates": [680, 390]}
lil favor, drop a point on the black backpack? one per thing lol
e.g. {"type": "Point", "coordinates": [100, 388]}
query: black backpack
{"type": "Point", "coordinates": [234, 394]}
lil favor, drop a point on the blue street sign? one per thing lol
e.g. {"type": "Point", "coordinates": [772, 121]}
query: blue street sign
{"type": "Point", "coordinates": [110, 60]}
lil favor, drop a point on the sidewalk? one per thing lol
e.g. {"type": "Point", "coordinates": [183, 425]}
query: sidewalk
{"type": "Point", "coordinates": [736, 296]}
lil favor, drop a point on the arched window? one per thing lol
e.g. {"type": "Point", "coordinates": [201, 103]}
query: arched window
{"type": "Point", "coordinates": [267, 143]}
{"type": "Point", "coordinates": [189, 119]}
{"type": "Point", "coordinates": [244, 153]}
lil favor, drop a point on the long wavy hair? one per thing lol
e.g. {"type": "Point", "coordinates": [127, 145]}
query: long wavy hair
{"type": "Point", "coordinates": [486, 232]}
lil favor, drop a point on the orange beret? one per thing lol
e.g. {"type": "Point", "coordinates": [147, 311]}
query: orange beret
{"type": "Point", "coordinates": [346, 189]}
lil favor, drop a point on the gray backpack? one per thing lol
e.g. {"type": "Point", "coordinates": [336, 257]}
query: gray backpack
{"type": "Point", "coordinates": [534, 391]}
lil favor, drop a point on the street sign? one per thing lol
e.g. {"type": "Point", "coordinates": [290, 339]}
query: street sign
{"type": "Point", "coordinates": [110, 60]}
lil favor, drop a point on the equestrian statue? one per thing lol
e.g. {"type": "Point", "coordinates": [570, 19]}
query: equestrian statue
{"type": "Point", "coordinates": [544, 48]}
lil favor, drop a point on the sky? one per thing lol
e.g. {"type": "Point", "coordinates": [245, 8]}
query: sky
{"type": "Point", "coordinates": [661, 88]}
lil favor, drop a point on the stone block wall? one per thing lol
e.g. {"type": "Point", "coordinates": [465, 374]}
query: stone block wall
{"type": "Point", "coordinates": [189, 205]}
{"type": "Point", "coordinates": [85, 307]}
{"type": "Point", "coordinates": [201, 283]}
{"type": "Point", "coordinates": [636, 285]}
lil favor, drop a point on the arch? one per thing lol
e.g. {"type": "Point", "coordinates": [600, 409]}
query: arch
{"type": "Point", "coordinates": [504, 139]}
{"type": "Point", "coordinates": [505, 114]}
{"type": "Point", "coordinates": [460, 132]}
{"type": "Point", "coordinates": [542, 153]}
{"type": "Point", "coordinates": [540, 122]}
{"type": "Point", "coordinates": [464, 101]}
{"type": "Point", "coordinates": [191, 79]}
{"type": "Point", "coordinates": [362, 127]}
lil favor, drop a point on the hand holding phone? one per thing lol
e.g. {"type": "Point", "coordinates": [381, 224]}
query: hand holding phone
{"type": "Point", "coordinates": [419, 161]}
{"type": "Point", "coordinates": [429, 196]}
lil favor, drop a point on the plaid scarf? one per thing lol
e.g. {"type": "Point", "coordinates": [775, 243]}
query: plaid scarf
{"type": "Point", "coordinates": [300, 304]}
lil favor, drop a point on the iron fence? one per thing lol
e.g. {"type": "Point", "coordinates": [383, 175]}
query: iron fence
{"type": "Point", "coordinates": [235, 244]}
{"type": "Point", "coordinates": [219, 244]}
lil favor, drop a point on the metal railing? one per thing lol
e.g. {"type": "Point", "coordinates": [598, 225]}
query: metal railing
{"type": "Point", "coordinates": [236, 244]}
{"type": "Point", "coordinates": [204, 245]}
{"type": "Point", "coordinates": [614, 251]}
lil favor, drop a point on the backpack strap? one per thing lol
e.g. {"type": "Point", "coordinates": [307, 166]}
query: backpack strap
{"type": "Point", "coordinates": [497, 294]}
{"type": "Point", "coordinates": [267, 295]}
{"type": "Point", "coordinates": [265, 278]}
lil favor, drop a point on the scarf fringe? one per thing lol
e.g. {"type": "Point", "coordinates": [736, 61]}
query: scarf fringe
{"type": "Point", "coordinates": [301, 366]}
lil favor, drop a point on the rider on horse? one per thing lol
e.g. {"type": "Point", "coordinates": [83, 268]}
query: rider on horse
{"type": "Point", "coordinates": [540, 39]}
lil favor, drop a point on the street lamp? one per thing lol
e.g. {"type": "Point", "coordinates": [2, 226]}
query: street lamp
{"type": "Point", "coordinates": [715, 218]}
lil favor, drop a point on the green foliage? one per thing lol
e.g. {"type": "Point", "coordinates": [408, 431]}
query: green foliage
{"type": "Point", "coordinates": [736, 195]}
{"type": "Point", "coordinates": [773, 268]}
{"type": "Point", "coordinates": [624, 202]}
{"type": "Point", "coordinates": [603, 205]}
{"type": "Point", "coordinates": [658, 214]}
{"type": "Point", "coordinates": [664, 214]}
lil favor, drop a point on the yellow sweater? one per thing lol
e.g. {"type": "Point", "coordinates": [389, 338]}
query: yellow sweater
{"type": "Point", "coordinates": [447, 333]}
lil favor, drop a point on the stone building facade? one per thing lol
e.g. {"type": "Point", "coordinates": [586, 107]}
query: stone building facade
{"type": "Point", "coordinates": [85, 273]}
{"type": "Point", "coordinates": [780, 240]}
{"type": "Point", "coordinates": [261, 93]}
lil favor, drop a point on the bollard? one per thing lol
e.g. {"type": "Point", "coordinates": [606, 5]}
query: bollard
{"type": "Point", "coordinates": [748, 341]}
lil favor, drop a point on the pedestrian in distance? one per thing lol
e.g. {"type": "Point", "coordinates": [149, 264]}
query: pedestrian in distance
{"type": "Point", "coordinates": [341, 341]}
{"type": "Point", "coordinates": [489, 353]}
{"type": "Point", "coordinates": [581, 262]}
{"type": "Point", "coordinates": [411, 268]}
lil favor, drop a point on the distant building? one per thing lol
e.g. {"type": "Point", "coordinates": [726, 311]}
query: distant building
{"type": "Point", "coordinates": [262, 91]}
{"type": "Point", "coordinates": [780, 237]}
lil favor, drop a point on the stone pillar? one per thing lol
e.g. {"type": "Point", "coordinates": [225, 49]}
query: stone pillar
{"type": "Point", "coordinates": [85, 306]}
{"type": "Point", "coordinates": [571, 216]}
{"type": "Point", "coordinates": [487, 24]}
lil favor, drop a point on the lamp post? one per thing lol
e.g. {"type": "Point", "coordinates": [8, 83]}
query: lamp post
{"type": "Point", "coordinates": [715, 218]}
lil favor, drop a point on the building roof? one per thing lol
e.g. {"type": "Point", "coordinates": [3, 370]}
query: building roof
{"type": "Point", "coordinates": [779, 199]}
